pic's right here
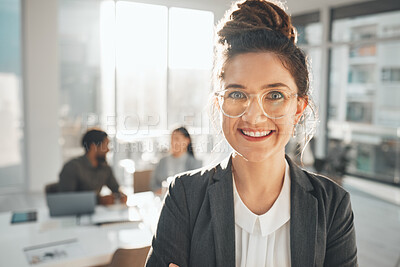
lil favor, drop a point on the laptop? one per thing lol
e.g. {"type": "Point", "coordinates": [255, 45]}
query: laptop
{"type": "Point", "coordinates": [71, 203]}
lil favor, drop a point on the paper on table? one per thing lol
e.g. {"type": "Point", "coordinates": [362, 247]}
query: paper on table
{"type": "Point", "coordinates": [54, 251]}
{"type": "Point", "coordinates": [112, 216]}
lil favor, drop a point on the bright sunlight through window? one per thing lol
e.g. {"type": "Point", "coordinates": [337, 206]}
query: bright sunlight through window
{"type": "Point", "coordinates": [191, 38]}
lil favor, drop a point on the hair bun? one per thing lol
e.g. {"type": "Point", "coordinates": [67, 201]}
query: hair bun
{"type": "Point", "coordinates": [254, 15]}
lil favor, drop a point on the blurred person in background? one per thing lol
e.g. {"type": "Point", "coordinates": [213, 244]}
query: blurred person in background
{"type": "Point", "coordinates": [90, 172]}
{"type": "Point", "coordinates": [180, 159]}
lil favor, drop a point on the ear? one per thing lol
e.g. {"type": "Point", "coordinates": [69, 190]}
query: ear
{"type": "Point", "coordinates": [302, 103]}
{"type": "Point", "coordinates": [94, 146]}
{"type": "Point", "coordinates": [215, 103]}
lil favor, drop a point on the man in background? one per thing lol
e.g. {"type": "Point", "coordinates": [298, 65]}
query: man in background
{"type": "Point", "coordinates": [90, 172]}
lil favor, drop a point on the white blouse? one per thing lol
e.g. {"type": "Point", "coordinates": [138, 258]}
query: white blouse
{"type": "Point", "coordinates": [264, 240]}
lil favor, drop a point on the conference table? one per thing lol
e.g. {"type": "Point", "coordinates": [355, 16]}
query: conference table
{"type": "Point", "coordinates": [85, 240]}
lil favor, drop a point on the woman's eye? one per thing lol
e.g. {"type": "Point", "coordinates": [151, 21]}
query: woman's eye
{"type": "Point", "coordinates": [236, 95]}
{"type": "Point", "coordinates": [275, 95]}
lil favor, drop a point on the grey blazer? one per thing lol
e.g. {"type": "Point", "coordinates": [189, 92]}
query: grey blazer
{"type": "Point", "coordinates": [197, 225]}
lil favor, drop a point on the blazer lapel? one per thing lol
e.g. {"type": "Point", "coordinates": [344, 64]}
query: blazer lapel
{"type": "Point", "coordinates": [222, 212]}
{"type": "Point", "coordinates": [303, 218]}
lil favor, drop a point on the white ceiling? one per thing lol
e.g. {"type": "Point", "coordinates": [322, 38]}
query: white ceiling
{"type": "Point", "coordinates": [294, 6]}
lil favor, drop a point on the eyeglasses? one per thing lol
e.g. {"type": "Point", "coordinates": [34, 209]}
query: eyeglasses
{"type": "Point", "coordinates": [274, 103]}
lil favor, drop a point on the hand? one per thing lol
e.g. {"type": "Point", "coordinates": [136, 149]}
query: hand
{"type": "Point", "coordinates": [158, 192]}
{"type": "Point", "coordinates": [123, 198]}
{"type": "Point", "coordinates": [173, 265]}
{"type": "Point", "coordinates": [106, 200]}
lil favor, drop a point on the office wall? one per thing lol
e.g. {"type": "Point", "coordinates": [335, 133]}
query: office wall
{"type": "Point", "coordinates": [40, 61]}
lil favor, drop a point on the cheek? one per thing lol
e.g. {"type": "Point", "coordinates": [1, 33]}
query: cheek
{"type": "Point", "coordinates": [185, 143]}
{"type": "Point", "coordinates": [227, 125]}
{"type": "Point", "coordinates": [285, 126]}
{"type": "Point", "coordinates": [289, 120]}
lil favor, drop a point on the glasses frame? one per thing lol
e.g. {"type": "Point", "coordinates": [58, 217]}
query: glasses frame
{"type": "Point", "coordinates": [219, 95]}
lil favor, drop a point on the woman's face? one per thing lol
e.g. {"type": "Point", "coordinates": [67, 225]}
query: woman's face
{"type": "Point", "coordinates": [253, 135]}
{"type": "Point", "coordinates": [179, 143]}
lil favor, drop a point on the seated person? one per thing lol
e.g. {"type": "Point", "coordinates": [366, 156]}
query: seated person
{"type": "Point", "coordinates": [181, 159]}
{"type": "Point", "coordinates": [90, 172]}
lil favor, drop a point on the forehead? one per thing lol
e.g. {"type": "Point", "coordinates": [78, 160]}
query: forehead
{"type": "Point", "coordinates": [177, 134]}
{"type": "Point", "coordinates": [255, 70]}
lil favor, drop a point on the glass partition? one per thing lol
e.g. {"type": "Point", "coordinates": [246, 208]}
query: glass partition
{"type": "Point", "coordinates": [309, 34]}
{"type": "Point", "coordinates": [368, 27]}
{"type": "Point", "coordinates": [364, 95]}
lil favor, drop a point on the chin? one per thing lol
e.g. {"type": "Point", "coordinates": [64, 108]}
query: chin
{"type": "Point", "coordinates": [101, 159]}
{"type": "Point", "coordinates": [255, 156]}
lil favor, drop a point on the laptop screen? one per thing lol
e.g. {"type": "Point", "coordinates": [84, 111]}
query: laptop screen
{"type": "Point", "coordinates": [71, 203]}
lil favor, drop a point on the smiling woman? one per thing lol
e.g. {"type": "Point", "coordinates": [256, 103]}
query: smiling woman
{"type": "Point", "coordinates": [256, 208]}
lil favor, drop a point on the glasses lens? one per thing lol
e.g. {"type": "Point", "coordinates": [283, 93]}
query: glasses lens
{"type": "Point", "coordinates": [276, 103]}
{"type": "Point", "coordinates": [234, 102]}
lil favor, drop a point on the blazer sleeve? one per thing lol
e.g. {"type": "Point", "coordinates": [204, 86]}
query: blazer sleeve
{"type": "Point", "coordinates": [171, 243]}
{"type": "Point", "coordinates": [112, 182]}
{"type": "Point", "coordinates": [68, 178]}
{"type": "Point", "coordinates": [341, 249]}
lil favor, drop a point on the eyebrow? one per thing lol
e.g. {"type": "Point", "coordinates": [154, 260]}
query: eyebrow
{"type": "Point", "coordinates": [267, 86]}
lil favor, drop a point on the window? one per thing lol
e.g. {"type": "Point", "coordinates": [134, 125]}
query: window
{"type": "Point", "coordinates": [12, 163]}
{"type": "Point", "coordinates": [135, 70]}
{"type": "Point", "coordinates": [190, 64]}
{"type": "Point", "coordinates": [141, 50]}
{"type": "Point", "coordinates": [86, 93]}
{"type": "Point", "coordinates": [309, 29]}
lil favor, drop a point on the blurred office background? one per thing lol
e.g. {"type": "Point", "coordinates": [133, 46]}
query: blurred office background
{"type": "Point", "coordinates": [139, 68]}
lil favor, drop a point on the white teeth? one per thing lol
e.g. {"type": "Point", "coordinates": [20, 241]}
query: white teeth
{"type": "Point", "coordinates": [256, 134]}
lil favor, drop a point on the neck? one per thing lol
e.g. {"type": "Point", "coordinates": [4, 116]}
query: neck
{"type": "Point", "coordinates": [259, 178]}
{"type": "Point", "coordinates": [178, 154]}
{"type": "Point", "coordinates": [92, 158]}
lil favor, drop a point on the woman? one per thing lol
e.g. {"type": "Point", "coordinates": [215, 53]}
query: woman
{"type": "Point", "coordinates": [180, 160]}
{"type": "Point", "coordinates": [257, 208]}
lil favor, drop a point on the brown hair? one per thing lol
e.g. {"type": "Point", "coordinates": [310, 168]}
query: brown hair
{"type": "Point", "coordinates": [264, 26]}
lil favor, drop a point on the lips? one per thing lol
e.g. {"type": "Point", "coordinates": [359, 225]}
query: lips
{"type": "Point", "coordinates": [255, 135]}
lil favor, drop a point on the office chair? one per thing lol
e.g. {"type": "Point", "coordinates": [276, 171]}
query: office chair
{"type": "Point", "coordinates": [129, 257]}
{"type": "Point", "coordinates": [141, 181]}
{"type": "Point", "coordinates": [51, 188]}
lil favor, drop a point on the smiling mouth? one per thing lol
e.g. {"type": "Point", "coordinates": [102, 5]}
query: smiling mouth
{"type": "Point", "coordinates": [256, 134]}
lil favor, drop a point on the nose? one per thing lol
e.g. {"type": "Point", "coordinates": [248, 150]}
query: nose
{"type": "Point", "coordinates": [254, 113]}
